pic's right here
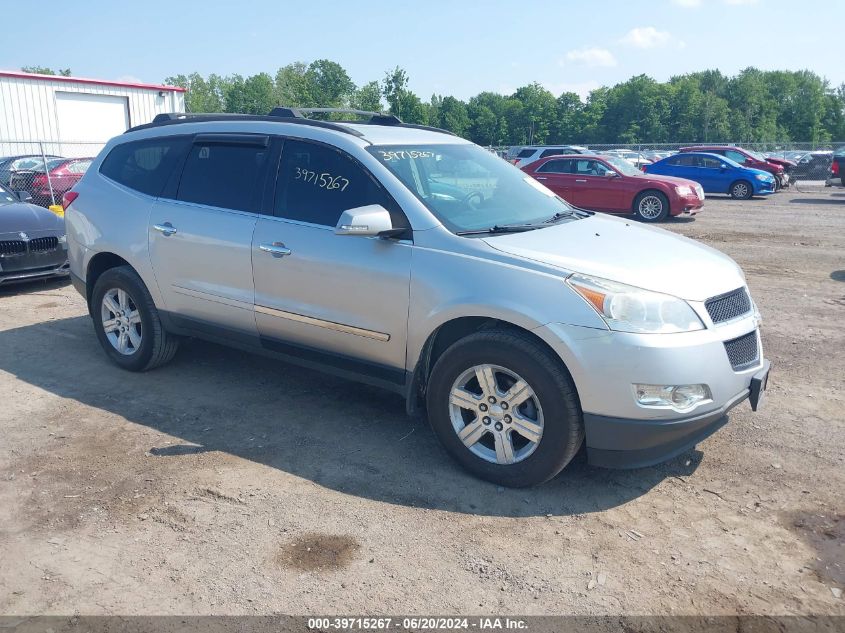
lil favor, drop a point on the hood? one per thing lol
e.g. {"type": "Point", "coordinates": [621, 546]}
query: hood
{"type": "Point", "coordinates": [782, 162]}
{"type": "Point", "coordinates": [19, 216]}
{"type": "Point", "coordinates": [628, 252]}
{"type": "Point", "coordinates": [673, 180]}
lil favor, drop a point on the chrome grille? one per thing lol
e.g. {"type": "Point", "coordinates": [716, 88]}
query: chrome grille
{"type": "Point", "coordinates": [12, 247]}
{"type": "Point", "coordinates": [742, 351]}
{"type": "Point", "coordinates": [43, 244]}
{"type": "Point", "coordinates": [728, 306]}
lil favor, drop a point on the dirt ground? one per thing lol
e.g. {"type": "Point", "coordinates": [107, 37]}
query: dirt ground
{"type": "Point", "coordinates": [226, 483]}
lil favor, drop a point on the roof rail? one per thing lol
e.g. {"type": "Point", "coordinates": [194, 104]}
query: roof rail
{"type": "Point", "coordinates": [291, 115]}
{"type": "Point", "coordinates": [375, 118]}
{"type": "Point", "coordinates": [176, 118]}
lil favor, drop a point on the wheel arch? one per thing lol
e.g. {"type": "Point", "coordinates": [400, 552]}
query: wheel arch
{"type": "Point", "coordinates": [100, 263]}
{"type": "Point", "coordinates": [450, 332]}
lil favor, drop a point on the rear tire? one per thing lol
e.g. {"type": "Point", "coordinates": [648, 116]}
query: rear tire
{"type": "Point", "coordinates": [519, 430]}
{"type": "Point", "coordinates": [741, 190]}
{"type": "Point", "coordinates": [651, 206]}
{"type": "Point", "coordinates": [127, 322]}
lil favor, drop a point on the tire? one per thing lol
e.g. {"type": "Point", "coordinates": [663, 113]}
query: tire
{"type": "Point", "coordinates": [651, 206]}
{"type": "Point", "coordinates": [146, 344]}
{"type": "Point", "coordinates": [552, 408]}
{"type": "Point", "coordinates": [741, 190]}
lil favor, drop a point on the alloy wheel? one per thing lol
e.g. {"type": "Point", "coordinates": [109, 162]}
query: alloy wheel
{"type": "Point", "coordinates": [496, 414]}
{"type": "Point", "coordinates": [651, 207]}
{"type": "Point", "coordinates": [121, 321]}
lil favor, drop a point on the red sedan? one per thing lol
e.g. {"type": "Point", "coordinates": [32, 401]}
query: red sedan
{"type": "Point", "coordinates": [614, 185]}
{"type": "Point", "coordinates": [64, 174]}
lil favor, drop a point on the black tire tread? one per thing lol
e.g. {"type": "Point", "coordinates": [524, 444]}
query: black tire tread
{"type": "Point", "coordinates": [164, 344]}
{"type": "Point", "coordinates": [511, 338]}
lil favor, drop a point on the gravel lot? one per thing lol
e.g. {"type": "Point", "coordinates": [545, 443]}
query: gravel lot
{"type": "Point", "coordinates": [226, 483]}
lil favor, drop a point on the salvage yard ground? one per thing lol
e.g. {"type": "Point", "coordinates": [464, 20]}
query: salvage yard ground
{"type": "Point", "coordinates": [226, 483]}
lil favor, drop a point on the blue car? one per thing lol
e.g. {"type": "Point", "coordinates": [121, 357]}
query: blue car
{"type": "Point", "coordinates": [716, 174]}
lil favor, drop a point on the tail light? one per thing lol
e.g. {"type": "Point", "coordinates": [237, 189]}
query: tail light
{"type": "Point", "coordinates": [39, 181]}
{"type": "Point", "coordinates": [68, 199]}
{"type": "Point", "coordinates": [834, 168]}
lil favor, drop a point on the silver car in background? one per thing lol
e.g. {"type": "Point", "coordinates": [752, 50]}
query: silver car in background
{"type": "Point", "coordinates": [414, 260]}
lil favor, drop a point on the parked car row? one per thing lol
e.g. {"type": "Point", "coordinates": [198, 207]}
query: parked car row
{"type": "Point", "coordinates": [44, 182]}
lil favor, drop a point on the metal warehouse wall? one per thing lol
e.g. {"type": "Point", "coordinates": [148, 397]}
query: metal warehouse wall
{"type": "Point", "coordinates": [28, 110]}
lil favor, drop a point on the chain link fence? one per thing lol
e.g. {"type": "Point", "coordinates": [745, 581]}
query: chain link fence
{"type": "Point", "coordinates": [44, 170]}
{"type": "Point", "coordinates": [812, 160]}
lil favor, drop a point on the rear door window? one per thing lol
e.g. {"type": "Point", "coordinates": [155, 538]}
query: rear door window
{"type": "Point", "coordinates": [145, 165]}
{"type": "Point", "coordinates": [225, 172]}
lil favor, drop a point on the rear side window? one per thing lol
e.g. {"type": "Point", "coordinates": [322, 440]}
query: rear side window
{"type": "Point", "coordinates": [526, 153]}
{"type": "Point", "coordinates": [552, 152]}
{"type": "Point", "coordinates": [146, 165]}
{"type": "Point", "coordinates": [316, 184]}
{"type": "Point", "coordinates": [556, 167]}
{"type": "Point", "coordinates": [224, 175]}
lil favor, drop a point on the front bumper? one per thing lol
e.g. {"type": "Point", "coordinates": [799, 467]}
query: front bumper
{"type": "Point", "coordinates": [21, 276]}
{"type": "Point", "coordinates": [687, 204]}
{"type": "Point", "coordinates": [605, 365]}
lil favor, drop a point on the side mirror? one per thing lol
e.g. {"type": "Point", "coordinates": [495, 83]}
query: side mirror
{"type": "Point", "coordinates": [723, 167]}
{"type": "Point", "coordinates": [372, 220]}
{"type": "Point", "coordinates": [24, 196]}
{"type": "Point", "coordinates": [611, 174]}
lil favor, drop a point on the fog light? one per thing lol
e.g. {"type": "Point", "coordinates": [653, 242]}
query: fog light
{"type": "Point", "coordinates": [678, 397]}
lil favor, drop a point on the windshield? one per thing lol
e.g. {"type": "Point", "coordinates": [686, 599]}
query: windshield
{"type": "Point", "coordinates": [623, 166]}
{"type": "Point", "coordinates": [7, 196]}
{"type": "Point", "coordinates": [467, 188]}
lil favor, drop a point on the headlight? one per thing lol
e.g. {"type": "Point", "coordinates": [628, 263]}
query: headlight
{"type": "Point", "coordinates": [683, 190]}
{"type": "Point", "coordinates": [762, 177]}
{"type": "Point", "coordinates": [628, 309]}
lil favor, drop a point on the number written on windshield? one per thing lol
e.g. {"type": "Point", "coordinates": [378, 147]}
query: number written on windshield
{"type": "Point", "coordinates": [323, 180]}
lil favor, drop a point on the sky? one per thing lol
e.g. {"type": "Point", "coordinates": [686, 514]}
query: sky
{"type": "Point", "coordinates": [448, 47]}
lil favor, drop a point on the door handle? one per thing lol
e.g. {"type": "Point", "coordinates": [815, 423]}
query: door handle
{"type": "Point", "coordinates": [276, 249]}
{"type": "Point", "coordinates": [580, 180]}
{"type": "Point", "coordinates": [165, 229]}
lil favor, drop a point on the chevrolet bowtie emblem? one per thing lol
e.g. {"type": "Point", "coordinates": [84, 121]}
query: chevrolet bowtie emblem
{"type": "Point", "coordinates": [24, 236]}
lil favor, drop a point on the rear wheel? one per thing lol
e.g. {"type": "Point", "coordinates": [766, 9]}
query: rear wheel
{"type": "Point", "coordinates": [651, 206]}
{"type": "Point", "coordinates": [741, 190]}
{"type": "Point", "coordinates": [127, 323]}
{"type": "Point", "coordinates": [505, 408]}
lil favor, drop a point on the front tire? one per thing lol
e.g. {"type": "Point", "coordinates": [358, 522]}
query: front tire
{"type": "Point", "coordinates": [505, 408]}
{"type": "Point", "coordinates": [742, 190]}
{"type": "Point", "coordinates": [127, 322]}
{"type": "Point", "coordinates": [651, 206]}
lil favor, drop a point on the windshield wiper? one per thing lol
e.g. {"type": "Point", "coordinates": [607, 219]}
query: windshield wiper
{"type": "Point", "coordinates": [505, 228]}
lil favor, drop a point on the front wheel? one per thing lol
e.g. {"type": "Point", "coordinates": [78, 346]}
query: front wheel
{"type": "Point", "coordinates": [127, 323]}
{"type": "Point", "coordinates": [741, 190]}
{"type": "Point", "coordinates": [651, 206]}
{"type": "Point", "coordinates": [505, 408]}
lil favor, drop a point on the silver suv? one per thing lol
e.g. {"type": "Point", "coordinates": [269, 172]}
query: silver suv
{"type": "Point", "coordinates": [409, 258]}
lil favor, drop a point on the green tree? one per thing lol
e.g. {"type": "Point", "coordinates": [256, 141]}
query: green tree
{"type": "Point", "coordinates": [328, 85]}
{"type": "Point", "coordinates": [393, 87]}
{"type": "Point", "coordinates": [292, 86]}
{"type": "Point", "coordinates": [43, 70]}
{"type": "Point", "coordinates": [202, 95]}
{"type": "Point", "coordinates": [367, 97]}
{"type": "Point", "coordinates": [253, 95]}
{"type": "Point", "coordinates": [452, 115]}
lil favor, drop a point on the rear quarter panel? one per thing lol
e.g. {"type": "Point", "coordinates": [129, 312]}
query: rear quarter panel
{"type": "Point", "coordinates": [109, 218]}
